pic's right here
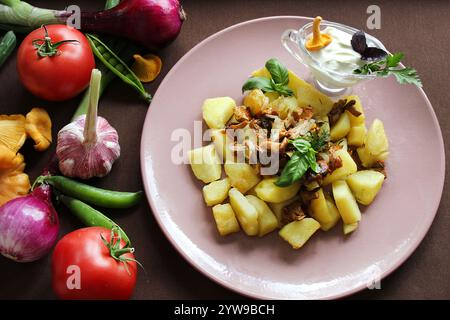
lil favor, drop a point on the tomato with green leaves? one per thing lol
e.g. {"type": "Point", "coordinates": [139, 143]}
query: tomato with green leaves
{"type": "Point", "coordinates": [55, 62]}
{"type": "Point", "coordinates": [93, 263]}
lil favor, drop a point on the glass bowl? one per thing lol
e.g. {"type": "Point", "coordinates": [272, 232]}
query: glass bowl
{"type": "Point", "coordinates": [328, 81]}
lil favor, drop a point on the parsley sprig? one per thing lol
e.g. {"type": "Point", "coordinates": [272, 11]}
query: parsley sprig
{"type": "Point", "coordinates": [389, 66]}
{"type": "Point", "coordinates": [278, 83]}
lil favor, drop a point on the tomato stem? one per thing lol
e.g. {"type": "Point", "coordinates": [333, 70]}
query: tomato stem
{"type": "Point", "coordinates": [116, 251]}
{"type": "Point", "coordinates": [122, 251]}
{"type": "Point", "coordinates": [45, 47]}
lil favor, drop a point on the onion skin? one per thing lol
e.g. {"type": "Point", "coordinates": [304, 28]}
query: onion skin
{"type": "Point", "coordinates": [151, 23]}
{"type": "Point", "coordinates": [29, 226]}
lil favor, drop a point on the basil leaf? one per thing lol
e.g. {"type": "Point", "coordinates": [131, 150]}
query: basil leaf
{"type": "Point", "coordinates": [301, 145]}
{"type": "Point", "coordinates": [282, 89]}
{"type": "Point", "coordinates": [304, 147]}
{"type": "Point", "coordinates": [258, 83]}
{"type": "Point", "coordinates": [303, 158]}
{"type": "Point", "coordinates": [278, 72]}
{"type": "Point", "coordinates": [293, 170]}
{"type": "Point", "coordinates": [278, 82]}
{"type": "Point", "coordinates": [311, 157]}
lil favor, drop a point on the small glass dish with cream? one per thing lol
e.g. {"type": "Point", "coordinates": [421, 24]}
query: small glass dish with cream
{"type": "Point", "coordinates": [331, 59]}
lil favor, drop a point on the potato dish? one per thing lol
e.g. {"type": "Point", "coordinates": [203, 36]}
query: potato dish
{"type": "Point", "coordinates": [325, 160]}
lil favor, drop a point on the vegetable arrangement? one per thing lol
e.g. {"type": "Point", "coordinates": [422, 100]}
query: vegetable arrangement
{"type": "Point", "coordinates": [56, 62]}
{"type": "Point", "coordinates": [151, 23]}
{"type": "Point", "coordinates": [326, 160]}
{"type": "Point", "coordinates": [78, 197]}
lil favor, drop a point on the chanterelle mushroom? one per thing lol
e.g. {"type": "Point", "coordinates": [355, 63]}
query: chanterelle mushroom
{"type": "Point", "coordinates": [12, 131]}
{"type": "Point", "coordinates": [146, 67]}
{"type": "Point", "coordinates": [39, 127]}
{"type": "Point", "coordinates": [13, 182]}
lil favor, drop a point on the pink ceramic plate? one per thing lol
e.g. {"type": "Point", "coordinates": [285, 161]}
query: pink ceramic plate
{"type": "Point", "coordinates": [330, 265]}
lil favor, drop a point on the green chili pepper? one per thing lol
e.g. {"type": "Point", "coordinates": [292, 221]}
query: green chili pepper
{"type": "Point", "coordinates": [92, 195]}
{"type": "Point", "coordinates": [89, 216]}
{"type": "Point", "coordinates": [116, 65]}
{"type": "Point", "coordinates": [7, 45]}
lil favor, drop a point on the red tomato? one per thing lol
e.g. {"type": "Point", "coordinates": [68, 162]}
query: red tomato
{"type": "Point", "coordinates": [60, 76]}
{"type": "Point", "coordinates": [83, 268]}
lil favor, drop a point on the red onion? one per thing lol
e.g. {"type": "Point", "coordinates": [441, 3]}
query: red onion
{"type": "Point", "coordinates": [29, 226]}
{"type": "Point", "coordinates": [152, 23]}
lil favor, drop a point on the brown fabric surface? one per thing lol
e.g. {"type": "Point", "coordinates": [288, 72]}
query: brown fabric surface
{"type": "Point", "coordinates": [418, 28]}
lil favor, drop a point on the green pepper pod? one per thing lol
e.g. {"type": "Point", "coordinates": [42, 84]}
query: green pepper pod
{"type": "Point", "coordinates": [89, 216]}
{"type": "Point", "coordinates": [116, 65]}
{"type": "Point", "coordinates": [7, 45]}
{"type": "Point", "coordinates": [92, 195]}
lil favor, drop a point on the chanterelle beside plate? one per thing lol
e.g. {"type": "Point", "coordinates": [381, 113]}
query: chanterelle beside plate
{"type": "Point", "coordinates": [329, 266]}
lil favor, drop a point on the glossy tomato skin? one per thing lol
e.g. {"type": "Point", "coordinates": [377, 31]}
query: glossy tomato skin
{"type": "Point", "coordinates": [101, 277]}
{"type": "Point", "coordinates": [59, 77]}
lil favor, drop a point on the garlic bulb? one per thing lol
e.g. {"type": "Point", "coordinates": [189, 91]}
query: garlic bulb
{"type": "Point", "coordinates": [89, 145]}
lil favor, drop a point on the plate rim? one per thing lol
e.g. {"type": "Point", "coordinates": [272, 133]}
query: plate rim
{"type": "Point", "coordinates": [240, 290]}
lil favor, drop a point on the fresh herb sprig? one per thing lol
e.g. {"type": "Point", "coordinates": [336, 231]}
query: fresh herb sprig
{"type": "Point", "coordinates": [301, 160]}
{"type": "Point", "coordinates": [389, 66]}
{"type": "Point", "coordinates": [318, 139]}
{"type": "Point", "coordinates": [304, 157]}
{"type": "Point", "coordinates": [278, 83]}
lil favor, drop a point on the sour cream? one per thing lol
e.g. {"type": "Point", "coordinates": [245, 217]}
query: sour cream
{"type": "Point", "coordinates": [333, 64]}
{"type": "Point", "coordinates": [339, 55]}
